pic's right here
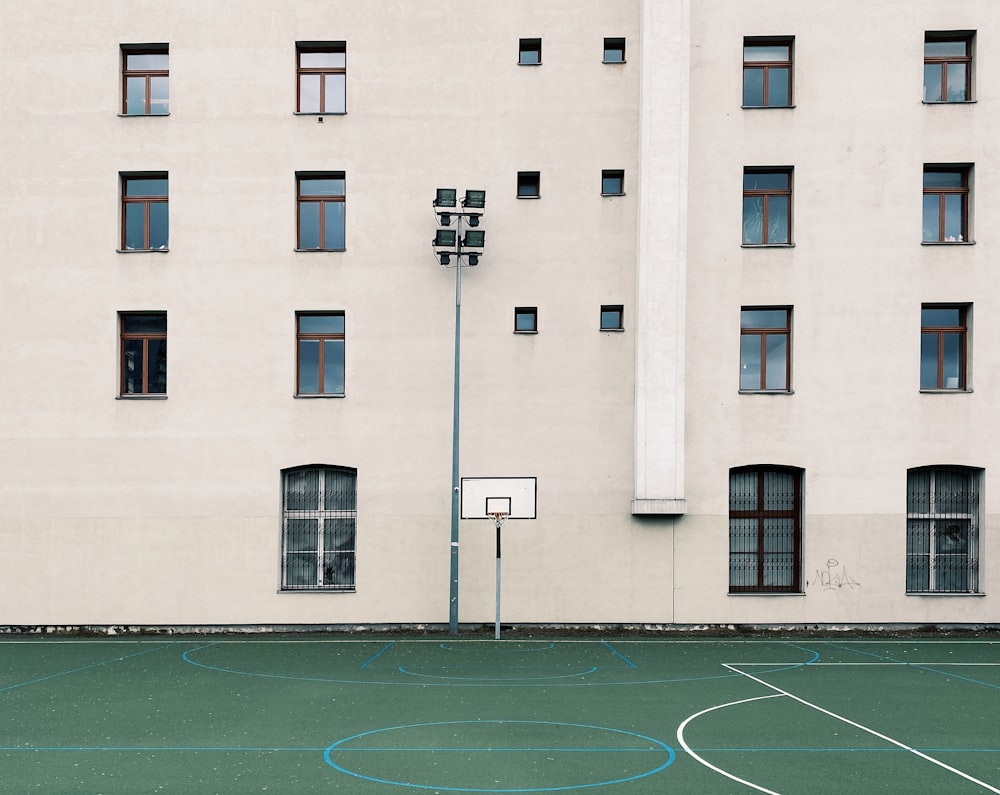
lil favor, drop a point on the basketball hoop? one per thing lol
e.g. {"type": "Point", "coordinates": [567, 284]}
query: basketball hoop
{"type": "Point", "coordinates": [498, 517]}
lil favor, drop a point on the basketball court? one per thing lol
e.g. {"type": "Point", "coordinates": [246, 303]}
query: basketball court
{"type": "Point", "coordinates": [522, 714]}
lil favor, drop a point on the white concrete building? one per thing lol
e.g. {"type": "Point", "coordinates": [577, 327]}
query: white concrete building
{"type": "Point", "coordinates": [750, 385]}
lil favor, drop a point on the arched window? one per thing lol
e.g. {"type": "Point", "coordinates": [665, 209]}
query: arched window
{"type": "Point", "coordinates": [765, 529]}
{"type": "Point", "coordinates": [942, 529]}
{"type": "Point", "coordinates": [318, 528]}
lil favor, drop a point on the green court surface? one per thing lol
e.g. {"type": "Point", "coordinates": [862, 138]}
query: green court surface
{"type": "Point", "coordinates": [453, 714]}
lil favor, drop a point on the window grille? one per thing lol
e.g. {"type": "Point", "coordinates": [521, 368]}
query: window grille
{"type": "Point", "coordinates": [765, 530]}
{"type": "Point", "coordinates": [319, 516]}
{"type": "Point", "coordinates": [942, 530]}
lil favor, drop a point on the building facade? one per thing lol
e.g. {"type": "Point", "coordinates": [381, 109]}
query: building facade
{"type": "Point", "coordinates": [732, 313]}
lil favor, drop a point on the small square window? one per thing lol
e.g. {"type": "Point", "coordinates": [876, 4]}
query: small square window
{"type": "Point", "coordinates": [145, 79]}
{"type": "Point", "coordinates": [321, 74]}
{"type": "Point", "coordinates": [611, 318]}
{"type": "Point", "coordinates": [144, 204]}
{"type": "Point", "coordinates": [528, 185]}
{"type": "Point", "coordinates": [529, 52]}
{"type": "Point", "coordinates": [612, 183]}
{"type": "Point", "coordinates": [767, 73]}
{"type": "Point", "coordinates": [614, 51]}
{"type": "Point", "coordinates": [526, 319]}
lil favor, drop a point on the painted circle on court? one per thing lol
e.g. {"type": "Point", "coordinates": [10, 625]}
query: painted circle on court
{"type": "Point", "coordinates": [499, 756]}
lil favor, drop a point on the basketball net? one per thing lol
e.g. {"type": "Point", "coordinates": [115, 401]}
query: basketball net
{"type": "Point", "coordinates": [498, 517]}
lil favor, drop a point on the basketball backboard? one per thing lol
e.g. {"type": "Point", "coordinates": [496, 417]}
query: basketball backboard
{"type": "Point", "coordinates": [481, 496]}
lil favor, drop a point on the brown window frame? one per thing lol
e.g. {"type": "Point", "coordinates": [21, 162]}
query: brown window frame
{"type": "Point", "coordinates": [145, 337]}
{"type": "Point", "coordinates": [763, 332]}
{"type": "Point", "coordinates": [944, 61]}
{"type": "Point", "coordinates": [962, 331]}
{"type": "Point", "coordinates": [321, 338]}
{"type": "Point", "coordinates": [322, 199]}
{"type": "Point", "coordinates": [145, 200]}
{"type": "Point", "coordinates": [767, 194]}
{"type": "Point", "coordinates": [148, 74]}
{"type": "Point", "coordinates": [332, 47]}
{"type": "Point", "coordinates": [942, 193]}
{"type": "Point", "coordinates": [760, 514]}
{"type": "Point", "coordinates": [767, 66]}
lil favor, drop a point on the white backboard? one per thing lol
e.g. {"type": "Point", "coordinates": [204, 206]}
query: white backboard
{"type": "Point", "coordinates": [520, 491]}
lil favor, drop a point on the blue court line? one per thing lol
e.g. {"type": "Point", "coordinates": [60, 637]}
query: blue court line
{"type": "Point", "coordinates": [377, 654]}
{"type": "Point", "coordinates": [618, 654]}
{"type": "Point", "coordinates": [918, 666]}
{"type": "Point", "coordinates": [83, 668]}
{"type": "Point", "coordinates": [158, 749]}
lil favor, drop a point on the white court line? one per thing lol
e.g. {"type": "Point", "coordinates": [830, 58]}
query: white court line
{"type": "Point", "coordinates": [835, 664]}
{"type": "Point", "coordinates": [881, 736]}
{"type": "Point", "coordinates": [705, 762]}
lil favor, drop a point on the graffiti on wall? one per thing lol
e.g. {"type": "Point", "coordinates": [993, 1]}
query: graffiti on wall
{"type": "Point", "coordinates": [834, 576]}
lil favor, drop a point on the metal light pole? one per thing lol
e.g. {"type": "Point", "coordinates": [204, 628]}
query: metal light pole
{"type": "Point", "coordinates": [449, 243]}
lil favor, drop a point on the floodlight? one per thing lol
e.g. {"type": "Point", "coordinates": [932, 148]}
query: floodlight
{"type": "Point", "coordinates": [473, 220]}
{"type": "Point", "coordinates": [473, 260]}
{"type": "Point", "coordinates": [444, 258]}
{"type": "Point", "coordinates": [445, 197]}
{"type": "Point", "coordinates": [445, 238]}
{"type": "Point", "coordinates": [444, 219]}
{"type": "Point", "coordinates": [474, 198]}
{"type": "Point", "coordinates": [474, 238]}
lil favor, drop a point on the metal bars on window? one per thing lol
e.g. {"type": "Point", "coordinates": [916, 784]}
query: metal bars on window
{"type": "Point", "coordinates": [319, 516]}
{"type": "Point", "coordinates": [765, 530]}
{"type": "Point", "coordinates": [942, 530]}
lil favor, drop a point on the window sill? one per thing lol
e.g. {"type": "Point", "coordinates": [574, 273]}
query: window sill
{"type": "Point", "coordinates": [529, 64]}
{"type": "Point", "coordinates": [956, 391]}
{"type": "Point", "coordinates": [318, 250]}
{"type": "Point", "coordinates": [140, 397]}
{"type": "Point", "coordinates": [142, 115]}
{"type": "Point", "coordinates": [767, 391]}
{"type": "Point", "coordinates": [528, 197]}
{"type": "Point", "coordinates": [943, 593]}
{"type": "Point", "coordinates": [319, 113]}
{"type": "Point", "coordinates": [317, 590]}
{"type": "Point", "coordinates": [947, 242]}
{"type": "Point", "coordinates": [613, 194]}
{"type": "Point", "coordinates": [766, 593]}
{"type": "Point", "coordinates": [614, 63]}
{"type": "Point", "coordinates": [950, 102]}
{"type": "Point", "coordinates": [767, 107]}
{"type": "Point", "coordinates": [767, 245]}
{"type": "Point", "coordinates": [525, 331]}
{"type": "Point", "coordinates": [613, 330]}
{"type": "Point", "coordinates": [142, 250]}
{"type": "Point", "coordinates": [318, 397]}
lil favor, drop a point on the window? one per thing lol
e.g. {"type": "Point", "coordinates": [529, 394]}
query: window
{"type": "Point", "coordinates": [767, 207]}
{"type": "Point", "coordinates": [614, 51]}
{"type": "Point", "coordinates": [611, 318]}
{"type": "Point", "coordinates": [765, 529]}
{"type": "Point", "coordinates": [943, 345]}
{"type": "Point", "coordinates": [767, 73]}
{"type": "Point", "coordinates": [765, 349]}
{"type": "Point", "coordinates": [318, 528]}
{"type": "Point", "coordinates": [145, 79]}
{"type": "Point", "coordinates": [948, 66]}
{"type": "Point", "coordinates": [946, 204]}
{"type": "Point", "coordinates": [319, 340]}
{"type": "Point", "coordinates": [612, 183]}
{"type": "Point", "coordinates": [143, 355]}
{"type": "Point", "coordinates": [320, 211]}
{"type": "Point", "coordinates": [528, 185]}
{"type": "Point", "coordinates": [525, 319]}
{"type": "Point", "coordinates": [942, 529]}
{"type": "Point", "coordinates": [529, 52]}
{"type": "Point", "coordinates": [144, 212]}
{"type": "Point", "coordinates": [321, 76]}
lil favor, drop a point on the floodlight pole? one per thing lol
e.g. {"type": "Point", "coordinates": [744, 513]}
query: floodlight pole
{"type": "Point", "coordinates": [455, 484]}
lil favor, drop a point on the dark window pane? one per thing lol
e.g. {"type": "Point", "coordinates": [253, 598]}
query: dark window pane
{"type": "Point", "coordinates": [941, 316]}
{"type": "Point", "coordinates": [333, 367]}
{"type": "Point", "coordinates": [951, 363]}
{"type": "Point", "coordinates": [302, 490]}
{"type": "Point", "coordinates": [157, 377]}
{"type": "Point", "coordinates": [777, 86]}
{"type": "Point", "coordinates": [135, 95]}
{"type": "Point", "coordinates": [158, 95]}
{"type": "Point", "coordinates": [932, 82]}
{"type": "Point", "coordinates": [928, 361]}
{"type": "Point", "coordinates": [753, 220]}
{"type": "Point", "coordinates": [954, 218]}
{"type": "Point", "coordinates": [321, 324]}
{"type": "Point", "coordinates": [944, 179]}
{"type": "Point", "coordinates": [146, 186]}
{"type": "Point", "coordinates": [750, 361]}
{"type": "Point", "coordinates": [753, 87]}
{"type": "Point", "coordinates": [524, 321]}
{"type": "Point", "coordinates": [931, 229]}
{"type": "Point", "coordinates": [777, 361]}
{"type": "Point", "coordinates": [340, 491]}
{"type": "Point", "coordinates": [766, 180]}
{"type": "Point", "coordinates": [777, 219]}
{"type": "Point", "coordinates": [308, 367]}
{"type": "Point", "coordinates": [135, 226]}
{"type": "Point", "coordinates": [158, 225]}
{"type": "Point", "coordinates": [764, 318]}
{"type": "Point", "coordinates": [611, 183]}
{"type": "Point", "coordinates": [611, 318]}
{"type": "Point", "coordinates": [144, 324]}
{"type": "Point", "coordinates": [334, 225]}
{"type": "Point", "coordinates": [300, 569]}
{"type": "Point", "coordinates": [957, 82]}
{"type": "Point", "coordinates": [308, 225]}
{"type": "Point", "coordinates": [133, 365]}
{"type": "Point", "coordinates": [946, 49]}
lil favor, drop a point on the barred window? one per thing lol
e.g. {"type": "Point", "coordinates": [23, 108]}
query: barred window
{"type": "Point", "coordinates": [942, 530]}
{"type": "Point", "coordinates": [765, 529]}
{"type": "Point", "coordinates": [319, 515]}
